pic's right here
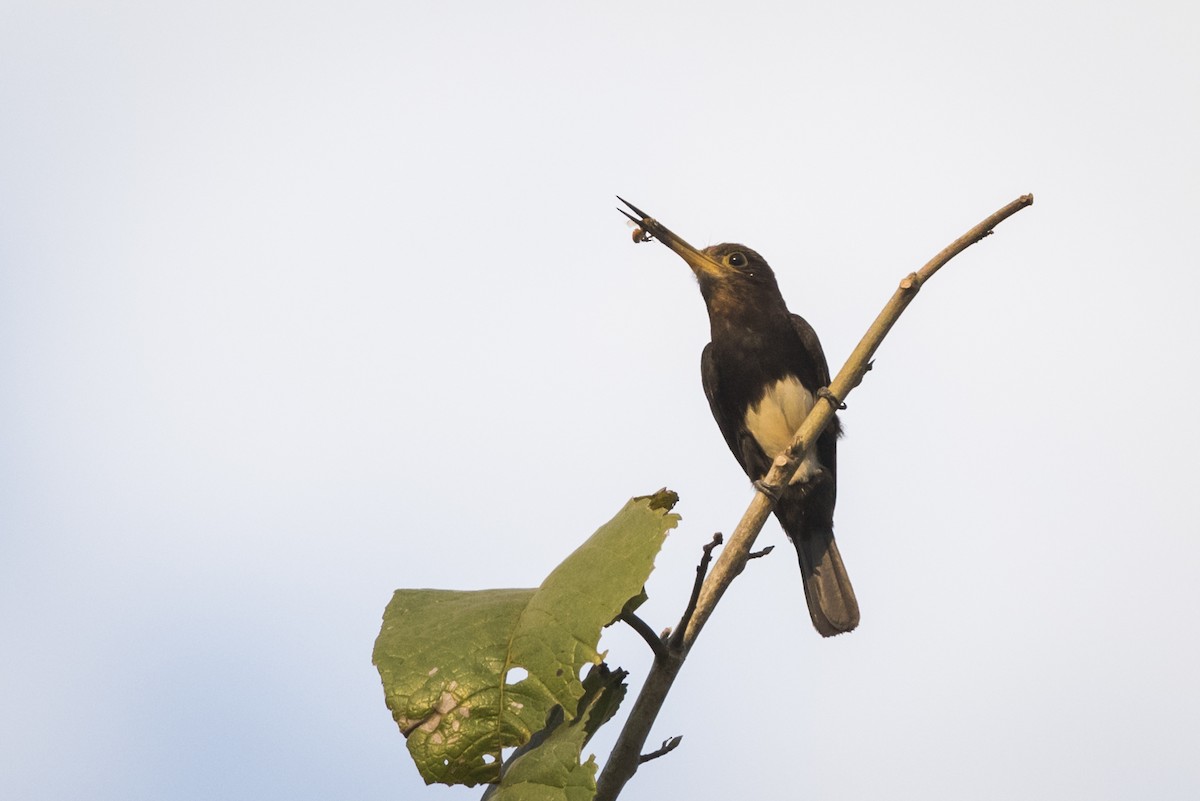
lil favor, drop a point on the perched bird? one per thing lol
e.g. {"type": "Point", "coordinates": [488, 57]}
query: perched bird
{"type": "Point", "coordinates": [762, 372]}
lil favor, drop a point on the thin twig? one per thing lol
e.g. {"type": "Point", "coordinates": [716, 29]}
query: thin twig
{"type": "Point", "coordinates": [624, 759]}
{"type": "Point", "coordinates": [676, 639]}
{"type": "Point", "coordinates": [759, 554]}
{"type": "Point", "coordinates": [667, 747]}
{"type": "Point", "coordinates": [643, 628]}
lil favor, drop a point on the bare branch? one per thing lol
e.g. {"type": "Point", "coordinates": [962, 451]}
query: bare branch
{"type": "Point", "coordinates": [676, 639]}
{"type": "Point", "coordinates": [626, 754]}
{"type": "Point", "coordinates": [733, 556]}
{"type": "Point", "coordinates": [759, 554]}
{"type": "Point", "coordinates": [667, 747]}
{"type": "Point", "coordinates": [643, 628]}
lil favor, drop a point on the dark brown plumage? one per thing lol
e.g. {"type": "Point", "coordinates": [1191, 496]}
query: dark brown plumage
{"type": "Point", "coordinates": [761, 372]}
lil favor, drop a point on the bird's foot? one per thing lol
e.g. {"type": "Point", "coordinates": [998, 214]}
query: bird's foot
{"type": "Point", "coordinates": [827, 394]}
{"type": "Point", "coordinates": [809, 472]}
{"type": "Point", "coordinates": [769, 490]}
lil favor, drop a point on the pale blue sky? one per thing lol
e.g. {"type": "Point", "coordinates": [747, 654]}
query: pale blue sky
{"type": "Point", "coordinates": [300, 303]}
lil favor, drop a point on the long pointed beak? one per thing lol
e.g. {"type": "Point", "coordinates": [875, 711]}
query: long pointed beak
{"type": "Point", "coordinates": [700, 262]}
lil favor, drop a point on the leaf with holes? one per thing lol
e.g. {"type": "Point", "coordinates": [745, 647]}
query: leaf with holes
{"type": "Point", "coordinates": [445, 656]}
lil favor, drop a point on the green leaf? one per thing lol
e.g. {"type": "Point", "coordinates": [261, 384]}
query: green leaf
{"type": "Point", "coordinates": [444, 655]}
{"type": "Point", "coordinates": [603, 692]}
{"type": "Point", "coordinates": [550, 771]}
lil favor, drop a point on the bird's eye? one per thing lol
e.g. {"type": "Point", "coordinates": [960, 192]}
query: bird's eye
{"type": "Point", "coordinates": [737, 259]}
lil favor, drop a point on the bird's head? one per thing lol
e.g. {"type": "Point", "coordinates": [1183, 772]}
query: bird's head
{"type": "Point", "coordinates": [729, 267]}
{"type": "Point", "coordinates": [731, 276]}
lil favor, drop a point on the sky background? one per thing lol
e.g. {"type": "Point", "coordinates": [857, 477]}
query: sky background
{"type": "Point", "coordinates": [304, 302]}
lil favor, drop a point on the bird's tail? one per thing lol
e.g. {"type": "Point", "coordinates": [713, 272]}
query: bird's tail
{"type": "Point", "coordinates": [806, 514]}
{"type": "Point", "coordinates": [831, 601]}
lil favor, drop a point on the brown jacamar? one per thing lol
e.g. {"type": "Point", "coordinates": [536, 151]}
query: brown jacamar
{"type": "Point", "coordinates": [762, 372]}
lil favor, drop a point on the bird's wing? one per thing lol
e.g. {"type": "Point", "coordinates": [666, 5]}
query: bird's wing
{"type": "Point", "coordinates": [712, 383]}
{"type": "Point", "coordinates": [732, 422]}
{"type": "Point", "coordinates": [812, 345]}
{"type": "Point", "coordinates": [827, 442]}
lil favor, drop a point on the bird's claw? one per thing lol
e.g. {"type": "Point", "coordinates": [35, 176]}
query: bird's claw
{"type": "Point", "coordinates": [827, 394]}
{"type": "Point", "coordinates": [770, 491]}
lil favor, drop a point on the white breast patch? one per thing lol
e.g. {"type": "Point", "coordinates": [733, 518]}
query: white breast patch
{"type": "Point", "coordinates": [774, 419]}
